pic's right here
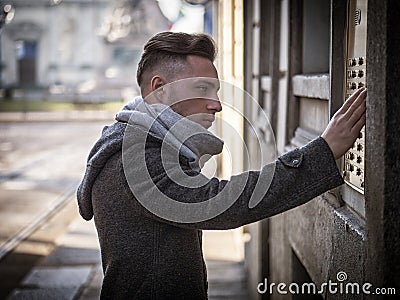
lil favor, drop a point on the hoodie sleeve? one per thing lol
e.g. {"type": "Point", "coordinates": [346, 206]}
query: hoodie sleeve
{"type": "Point", "coordinates": [201, 203]}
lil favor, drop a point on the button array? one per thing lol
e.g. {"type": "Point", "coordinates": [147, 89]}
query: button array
{"type": "Point", "coordinates": [354, 158]}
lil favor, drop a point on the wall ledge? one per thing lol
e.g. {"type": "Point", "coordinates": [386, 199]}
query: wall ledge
{"type": "Point", "coordinates": [311, 86]}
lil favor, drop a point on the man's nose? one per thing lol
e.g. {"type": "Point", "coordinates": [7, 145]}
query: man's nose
{"type": "Point", "coordinates": [214, 105]}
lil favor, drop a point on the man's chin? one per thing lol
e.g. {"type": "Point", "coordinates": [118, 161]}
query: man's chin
{"type": "Point", "coordinates": [206, 124]}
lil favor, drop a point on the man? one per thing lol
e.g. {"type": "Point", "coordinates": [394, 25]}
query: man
{"type": "Point", "coordinates": [151, 247]}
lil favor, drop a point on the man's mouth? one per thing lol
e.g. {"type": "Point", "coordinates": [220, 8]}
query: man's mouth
{"type": "Point", "coordinates": [210, 118]}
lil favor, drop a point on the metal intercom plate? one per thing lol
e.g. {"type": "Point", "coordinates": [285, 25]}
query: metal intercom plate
{"type": "Point", "coordinates": [356, 63]}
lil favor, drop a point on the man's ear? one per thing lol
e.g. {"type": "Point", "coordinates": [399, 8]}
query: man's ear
{"type": "Point", "coordinates": [158, 93]}
{"type": "Point", "coordinates": [156, 82]}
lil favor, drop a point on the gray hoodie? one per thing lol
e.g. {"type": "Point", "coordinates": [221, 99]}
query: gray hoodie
{"type": "Point", "coordinates": [150, 254]}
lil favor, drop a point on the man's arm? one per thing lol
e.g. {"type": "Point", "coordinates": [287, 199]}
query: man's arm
{"type": "Point", "coordinates": [201, 203]}
{"type": "Point", "coordinates": [298, 176]}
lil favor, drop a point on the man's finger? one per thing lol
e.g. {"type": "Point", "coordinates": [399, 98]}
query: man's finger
{"type": "Point", "coordinates": [358, 102]}
{"type": "Point", "coordinates": [350, 100]}
{"type": "Point", "coordinates": [359, 124]}
{"type": "Point", "coordinates": [355, 112]}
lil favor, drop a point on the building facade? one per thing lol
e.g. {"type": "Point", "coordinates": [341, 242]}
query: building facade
{"type": "Point", "coordinates": [301, 59]}
{"type": "Point", "coordinates": [85, 50]}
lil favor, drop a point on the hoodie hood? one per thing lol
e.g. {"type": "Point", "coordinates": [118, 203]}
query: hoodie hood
{"type": "Point", "coordinates": [158, 120]}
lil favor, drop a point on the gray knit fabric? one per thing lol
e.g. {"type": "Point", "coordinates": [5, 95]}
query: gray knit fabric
{"type": "Point", "coordinates": [162, 122]}
{"type": "Point", "coordinates": [147, 257]}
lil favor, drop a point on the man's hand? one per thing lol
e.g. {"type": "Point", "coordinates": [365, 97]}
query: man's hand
{"type": "Point", "coordinates": [345, 125]}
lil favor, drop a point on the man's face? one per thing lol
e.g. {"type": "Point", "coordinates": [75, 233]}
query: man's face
{"type": "Point", "coordinates": [195, 94]}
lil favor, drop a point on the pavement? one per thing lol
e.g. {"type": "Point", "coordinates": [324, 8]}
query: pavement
{"type": "Point", "coordinates": [73, 269]}
{"type": "Point", "coordinates": [73, 115]}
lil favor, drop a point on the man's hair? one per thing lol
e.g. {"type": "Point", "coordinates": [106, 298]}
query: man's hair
{"type": "Point", "coordinates": [167, 51]}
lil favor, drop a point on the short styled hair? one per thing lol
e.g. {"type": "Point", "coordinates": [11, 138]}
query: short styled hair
{"type": "Point", "coordinates": [167, 52]}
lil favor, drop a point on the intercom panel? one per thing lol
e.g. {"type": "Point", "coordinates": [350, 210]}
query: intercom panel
{"type": "Point", "coordinates": [356, 71]}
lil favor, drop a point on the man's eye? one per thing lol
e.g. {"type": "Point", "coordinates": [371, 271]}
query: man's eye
{"type": "Point", "coordinates": [202, 88]}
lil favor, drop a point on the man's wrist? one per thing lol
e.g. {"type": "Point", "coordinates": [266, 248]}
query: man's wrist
{"type": "Point", "coordinates": [330, 144]}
